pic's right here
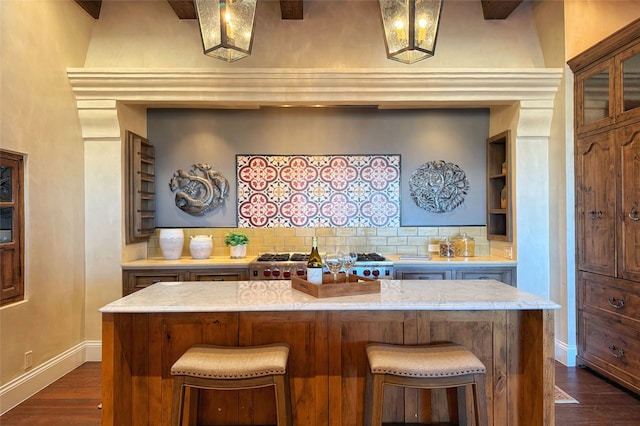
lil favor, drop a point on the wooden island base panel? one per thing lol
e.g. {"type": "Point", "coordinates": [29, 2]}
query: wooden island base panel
{"type": "Point", "coordinates": [509, 330]}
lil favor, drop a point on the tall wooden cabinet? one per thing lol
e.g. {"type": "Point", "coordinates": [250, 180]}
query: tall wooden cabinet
{"type": "Point", "coordinates": [607, 176]}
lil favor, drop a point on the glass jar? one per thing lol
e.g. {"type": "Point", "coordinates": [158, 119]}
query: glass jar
{"type": "Point", "coordinates": [447, 248]}
{"type": "Point", "coordinates": [465, 246]}
{"type": "Point", "coordinates": [503, 197]}
{"type": "Point", "coordinates": [434, 246]}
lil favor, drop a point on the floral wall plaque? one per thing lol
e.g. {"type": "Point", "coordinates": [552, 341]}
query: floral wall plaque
{"type": "Point", "coordinates": [438, 186]}
{"type": "Point", "coordinates": [318, 190]}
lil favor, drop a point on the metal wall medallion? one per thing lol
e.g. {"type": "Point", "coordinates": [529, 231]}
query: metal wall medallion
{"type": "Point", "coordinates": [438, 186]}
{"type": "Point", "coordinates": [199, 190]}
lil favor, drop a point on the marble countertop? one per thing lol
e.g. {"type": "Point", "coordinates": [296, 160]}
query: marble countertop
{"type": "Point", "coordinates": [187, 262]}
{"type": "Point", "coordinates": [245, 296]}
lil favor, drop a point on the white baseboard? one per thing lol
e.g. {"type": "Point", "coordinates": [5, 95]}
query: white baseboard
{"type": "Point", "coordinates": [566, 354]}
{"type": "Point", "coordinates": [33, 381]}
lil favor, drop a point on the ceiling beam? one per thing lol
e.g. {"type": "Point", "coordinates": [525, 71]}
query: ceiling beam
{"type": "Point", "coordinates": [291, 9]}
{"type": "Point", "coordinates": [184, 9]}
{"type": "Point", "coordinates": [92, 7]}
{"type": "Point", "coordinates": [498, 9]}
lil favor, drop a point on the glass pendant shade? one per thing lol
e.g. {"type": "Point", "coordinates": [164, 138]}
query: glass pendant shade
{"type": "Point", "coordinates": [410, 28]}
{"type": "Point", "coordinates": [226, 27]}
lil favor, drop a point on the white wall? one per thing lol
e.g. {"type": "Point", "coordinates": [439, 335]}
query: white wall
{"type": "Point", "coordinates": [40, 119]}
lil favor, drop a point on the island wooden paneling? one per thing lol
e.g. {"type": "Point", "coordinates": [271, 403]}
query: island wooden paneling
{"type": "Point", "coordinates": [328, 364]}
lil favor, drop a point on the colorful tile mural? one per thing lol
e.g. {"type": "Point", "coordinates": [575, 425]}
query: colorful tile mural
{"type": "Point", "coordinates": [318, 190]}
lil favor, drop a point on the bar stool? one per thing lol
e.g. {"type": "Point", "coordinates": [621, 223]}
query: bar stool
{"type": "Point", "coordinates": [425, 367]}
{"type": "Point", "coordinates": [232, 368]}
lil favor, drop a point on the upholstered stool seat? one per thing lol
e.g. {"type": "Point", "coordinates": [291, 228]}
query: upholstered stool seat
{"type": "Point", "coordinates": [228, 368]}
{"type": "Point", "coordinates": [426, 367]}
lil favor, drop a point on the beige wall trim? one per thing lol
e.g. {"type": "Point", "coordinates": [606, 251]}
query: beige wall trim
{"type": "Point", "coordinates": [251, 87]}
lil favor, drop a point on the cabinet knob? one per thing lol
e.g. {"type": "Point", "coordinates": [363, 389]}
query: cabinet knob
{"type": "Point", "coordinates": [633, 214]}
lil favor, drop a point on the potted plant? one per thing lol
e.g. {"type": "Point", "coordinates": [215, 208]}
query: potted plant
{"type": "Point", "coordinates": [237, 242]}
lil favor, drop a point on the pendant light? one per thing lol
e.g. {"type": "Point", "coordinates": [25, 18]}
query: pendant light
{"type": "Point", "coordinates": [226, 27]}
{"type": "Point", "coordinates": [410, 28]}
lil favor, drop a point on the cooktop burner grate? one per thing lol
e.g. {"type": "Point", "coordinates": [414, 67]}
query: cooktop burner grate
{"type": "Point", "coordinates": [273, 257]}
{"type": "Point", "coordinates": [299, 257]}
{"type": "Point", "coordinates": [370, 257]}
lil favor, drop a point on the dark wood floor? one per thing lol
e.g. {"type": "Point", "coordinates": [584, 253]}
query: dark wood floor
{"type": "Point", "coordinates": [70, 401]}
{"type": "Point", "coordinates": [600, 403]}
{"type": "Point", "coordinates": [74, 400]}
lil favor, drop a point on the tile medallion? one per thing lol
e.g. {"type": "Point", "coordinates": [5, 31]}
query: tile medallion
{"type": "Point", "coordinates": [318, 191]}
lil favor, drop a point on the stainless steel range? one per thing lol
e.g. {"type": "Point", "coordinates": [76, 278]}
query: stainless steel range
{"type": "Point", "coordinates": [373, 265]}
{"type": "Point", "coordinates": [278, 266]}
{"type": "Point", "coordinates": [282, 266]}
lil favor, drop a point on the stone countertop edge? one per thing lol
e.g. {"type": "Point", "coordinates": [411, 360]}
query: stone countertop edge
{"type": "Point", "coordinates": [255, 296]}
{"type": "Point", "coordinates": [187, 262]}
{"type": "Point", "coordinates": [453, 261]}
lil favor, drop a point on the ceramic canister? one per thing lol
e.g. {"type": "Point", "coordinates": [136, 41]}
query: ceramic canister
{"type": "Point", "coordinates": [171, 241]}
{"type": "Point", "coordinates": [201, 246]}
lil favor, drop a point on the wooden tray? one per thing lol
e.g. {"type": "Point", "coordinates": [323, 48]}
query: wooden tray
{"type": "Point", "coordinates": [355, 285]}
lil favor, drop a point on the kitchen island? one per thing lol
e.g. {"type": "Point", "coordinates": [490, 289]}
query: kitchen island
{"type": "Point", "coordinates": [511, 331]}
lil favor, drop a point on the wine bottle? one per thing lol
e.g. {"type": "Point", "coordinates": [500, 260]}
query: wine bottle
{"type": "Point", "coordinates": [314, 264]}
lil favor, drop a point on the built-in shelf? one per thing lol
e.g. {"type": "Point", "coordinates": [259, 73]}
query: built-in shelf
{"type": "Point", "coordinates": [499, 198]}
{"type": "Point", "coordinates": [140, 195]}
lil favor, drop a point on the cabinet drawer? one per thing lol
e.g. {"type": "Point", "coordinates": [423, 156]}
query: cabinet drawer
{"type": "Point", "coordinates": [218, 276]}
{"type": "Point", "coordinates": [612, 345]}
{"type": "Point", "coordinates": [502, 275]}
{"type": "Point", "coordinates": [423, 275]}
{"type": "Point", "coordinates": [134, 281]}
{"type": "Point", "coordinates": [616, 296]}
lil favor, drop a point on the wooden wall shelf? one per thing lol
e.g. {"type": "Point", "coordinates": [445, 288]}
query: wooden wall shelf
{"type": "Point", "coordinates": [499, 197]}
{"type": "Point", "coordinates": [140, 197]}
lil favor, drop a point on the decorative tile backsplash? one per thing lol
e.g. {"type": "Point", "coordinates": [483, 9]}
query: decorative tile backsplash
{"type": "Point", "coordinates": [393, 240]}
{"type": "Point", "coordinates": [305, 191]}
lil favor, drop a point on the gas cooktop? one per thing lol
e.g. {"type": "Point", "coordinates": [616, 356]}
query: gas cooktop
{"type": "Point", "coordinates": [282, 257]}
{"type": "Point", "coordinates": [282, 266]}
{"type": "Point", "coordinates": [303, 257]}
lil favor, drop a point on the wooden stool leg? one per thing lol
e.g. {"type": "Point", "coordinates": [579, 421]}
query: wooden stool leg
{"type": "Point", "coordinates": [283, 399]}
{"type": "Point", "coordinates": [465, 405]}
{"type": "Point", "coordinates": [480, 400]}
{"type": "Point", "coordinates": [193, 394]}
{"type": "Point", "coordinates": [177, 401]}
{"type": "Point", "coordinates": [377, 400]}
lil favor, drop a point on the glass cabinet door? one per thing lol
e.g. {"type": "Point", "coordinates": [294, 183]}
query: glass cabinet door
{"type": "Point", "coordinates": [7, 182]}
{"type": "Point", "coordinates": [596, 93]}
{"type": "Point", "coordinates": [631, 81]}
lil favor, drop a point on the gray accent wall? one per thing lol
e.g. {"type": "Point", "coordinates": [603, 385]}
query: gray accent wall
{"type": "Point", "coordinates": [183, 137]}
